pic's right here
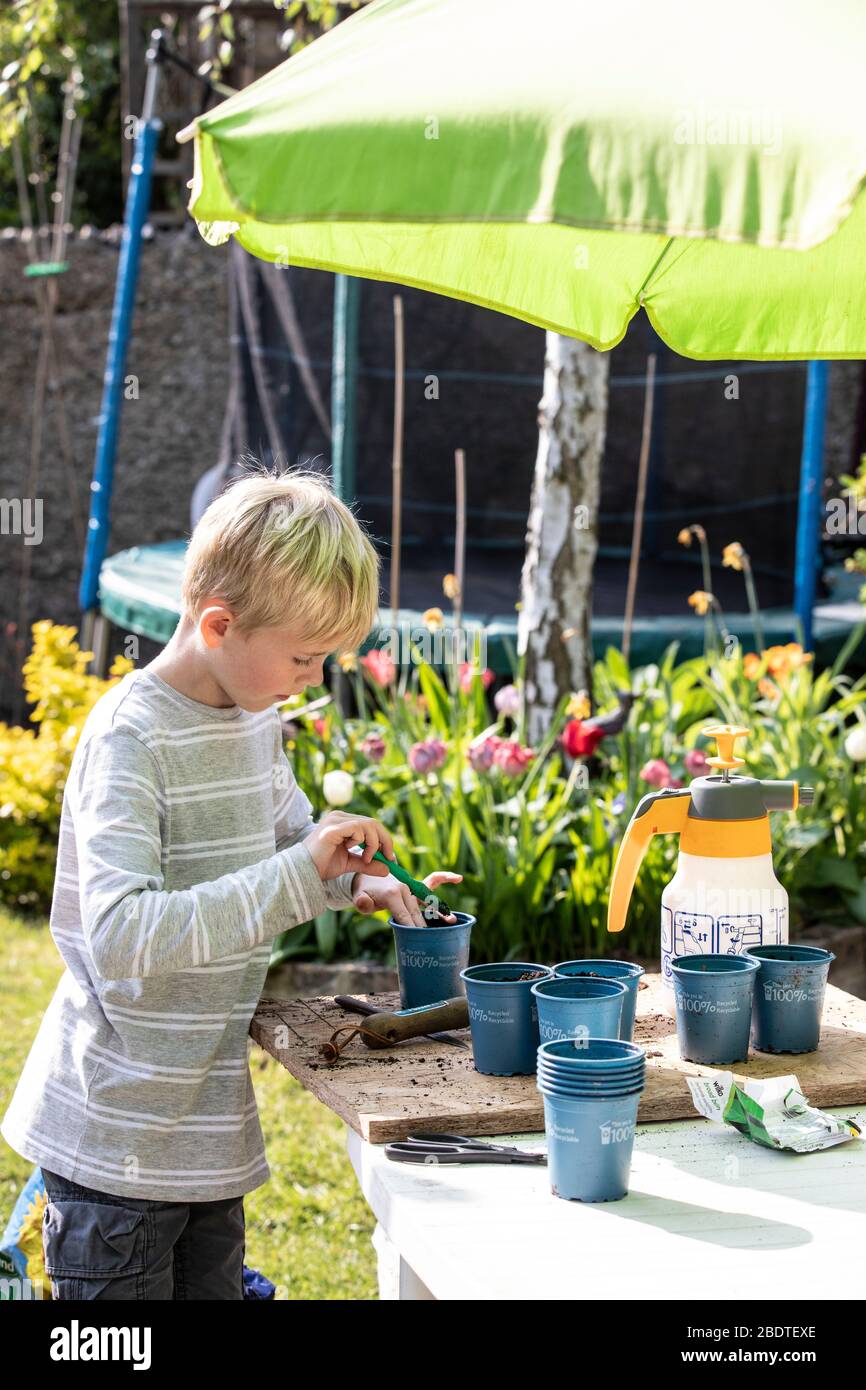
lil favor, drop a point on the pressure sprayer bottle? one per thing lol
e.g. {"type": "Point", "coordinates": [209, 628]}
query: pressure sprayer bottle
{"type": "Point", "coordinates": [724, 897]}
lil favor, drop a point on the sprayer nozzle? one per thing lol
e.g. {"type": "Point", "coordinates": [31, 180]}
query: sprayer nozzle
{"type": "Point", "coordinates": [805, 796]}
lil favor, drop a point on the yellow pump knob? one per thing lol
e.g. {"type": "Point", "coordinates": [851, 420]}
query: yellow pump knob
{"type": "Point", "coordinates": [726, 736]}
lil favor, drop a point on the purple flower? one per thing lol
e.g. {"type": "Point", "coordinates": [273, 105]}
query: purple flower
{"type": "Point", "coordinates": [373, 747]}
{"type": "Point", "coordinates": [427, 756]}
{"type": "Point", "coordinates": [480, 755]}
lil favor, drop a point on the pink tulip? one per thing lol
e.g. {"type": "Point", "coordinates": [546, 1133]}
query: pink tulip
{"type": "Point", "coordinates": [695, 762]}
{"type": "Point", "coordinates": [656, 772]}
{"type": "Point", "coordinates": [467, 674]}
{"type": "Point", "coordinates": [380, 665]}
{"type": "Point", "coordinates": [427, 756]}
{"type": "Point", "coordinates": [373, 747]}
{"type": "Point", "coordinates": [511, 759]}
{"type": "Point", "coordinates": [507, 701]}
{"type": "Point", "coordinates": [480, 755]}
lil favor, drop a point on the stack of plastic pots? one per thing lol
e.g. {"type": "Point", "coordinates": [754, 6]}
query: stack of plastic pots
{"type": "Point", "coordinates": [591, 1091]}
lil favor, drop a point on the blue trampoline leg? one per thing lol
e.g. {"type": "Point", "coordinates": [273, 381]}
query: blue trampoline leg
{"type": "Point", "coordinates": [811, 499]}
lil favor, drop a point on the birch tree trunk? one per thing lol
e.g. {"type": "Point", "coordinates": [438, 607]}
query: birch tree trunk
{"type": "Point", "coordinates": [553, 630]}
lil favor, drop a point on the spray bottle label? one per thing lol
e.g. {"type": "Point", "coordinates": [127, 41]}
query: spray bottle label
{"type": "Point", "coordinates": [729, 934]}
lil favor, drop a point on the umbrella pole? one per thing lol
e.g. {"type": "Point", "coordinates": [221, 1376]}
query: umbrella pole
{"type": "Point", "coordinates": [640, 504]}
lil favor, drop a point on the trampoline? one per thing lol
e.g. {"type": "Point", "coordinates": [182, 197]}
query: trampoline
{"type": "Point", "coordinates": [139, 591]}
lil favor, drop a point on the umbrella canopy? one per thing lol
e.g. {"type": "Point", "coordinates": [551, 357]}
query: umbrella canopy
{"type": "Point", "coordinates": [569, 165]}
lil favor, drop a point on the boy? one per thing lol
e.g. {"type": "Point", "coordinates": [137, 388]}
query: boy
{"type": "Point", "coordinates": [185, 847]}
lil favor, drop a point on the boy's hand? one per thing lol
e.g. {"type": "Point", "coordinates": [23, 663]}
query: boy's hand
{"type": "Point", "coordinates": [333, 837]}
{"type": "Point", "coordinates": [372, 894]}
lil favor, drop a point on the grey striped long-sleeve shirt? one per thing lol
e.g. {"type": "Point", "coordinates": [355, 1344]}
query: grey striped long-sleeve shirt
{"type": "Point", "coordinates": [181, 856]}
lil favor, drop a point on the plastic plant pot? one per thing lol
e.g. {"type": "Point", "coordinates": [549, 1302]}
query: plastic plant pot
{"type": "Point", "coordinates": [579, 1008]}
{"type": "Point", "coordinates": [589, 1145]}
{"type": "Point", "coordinates": [713, 996]}
{"type": "Point", "coordinates": [430, 959]}
{"type": "Point", "coordinates": [789, 997]}
{"type": "Point", "coordinates": [559, 1075]}
{"type": "Point", "coordinates": [593, 1054]}
{"type": "Point", "coordinates": [503, 1016]}
{"type": "Point", "coordinates": [624, 970]}
{"type": "Point", "coordinates": [557, 1088]}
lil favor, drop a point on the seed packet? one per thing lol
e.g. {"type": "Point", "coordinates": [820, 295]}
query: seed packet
{"type": "Point", "coordinates": [771, 1111]}
{"type": "Point", "coordinates": [22, 1263]}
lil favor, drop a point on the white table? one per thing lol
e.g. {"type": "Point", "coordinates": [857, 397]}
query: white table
{"type": "Point", "coordinates": [709, 1215]}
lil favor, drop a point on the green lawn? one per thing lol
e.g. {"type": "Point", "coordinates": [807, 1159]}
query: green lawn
{"type": "Point", "coordinates": [308, 1229]}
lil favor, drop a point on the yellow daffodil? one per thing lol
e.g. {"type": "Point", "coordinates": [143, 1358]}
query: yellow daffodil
{"type": "Point", "coordinates": [451, 586]}
{"type": "Point", "coordinates": [734, 555]}
{"type": "Point", "coordinates": [700, 600]}
{"type": "Point", "coordinates": [348, 661]}
{"type": "Point", "coordinates": [578, 706]}
{"type": "Point", "coordinates": [433, 619]}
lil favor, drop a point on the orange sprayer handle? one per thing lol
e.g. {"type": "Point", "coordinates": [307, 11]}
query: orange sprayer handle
{"type": "Point", "coordinates": [659, 813]}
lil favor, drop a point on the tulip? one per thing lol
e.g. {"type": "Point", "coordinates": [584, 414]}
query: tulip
{"type": "Point", "coordinates": [480, 755]}
{"type": "Point", "coordinates": [467, 673]}
{"type": "Point", "coordinates": [580, 741]}
{"type": "Point", "coordinates": [695, 762]}
{"type": "Point", "coordinates": [656, 772]}
{"type": "Point", "coordinates": [855, 744]}
{"type": "Point", "coordinates": [373, 747]}
{"type": "Point", "coordinates": [338, 787]}
{"type": "Point", "coordinates": [507, 701]}
{"type": "Point", "coordinates": [511, 759]}
{"type": "Point", "coordinates": [427, 756]}
{"type": "Point", "coordinates": [380, 665]}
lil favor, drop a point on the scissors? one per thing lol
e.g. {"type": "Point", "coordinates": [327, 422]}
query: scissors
{"type": "Point", "coordinates": [433, 1149]}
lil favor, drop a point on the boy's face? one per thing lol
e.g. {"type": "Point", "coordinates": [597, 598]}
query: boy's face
{"type": "Point", "coordinates": [260, 668]}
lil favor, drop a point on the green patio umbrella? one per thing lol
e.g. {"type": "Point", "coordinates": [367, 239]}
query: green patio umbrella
{"type": "Point", "coordinates": [569, 163]}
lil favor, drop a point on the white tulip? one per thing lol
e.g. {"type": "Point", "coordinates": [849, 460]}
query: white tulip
{"type": "Point", "coordinates": [855, 744]}
{"type": "Point", "coordinates": [339, 788]}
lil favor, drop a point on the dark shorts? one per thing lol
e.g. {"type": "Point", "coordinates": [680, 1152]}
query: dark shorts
{"type": "Point", "coordinates": [101, 1246]}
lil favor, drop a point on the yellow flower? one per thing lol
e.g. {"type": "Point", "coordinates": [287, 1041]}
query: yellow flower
{"type": "Point", "coordinates": [733, 556]}
{"type": "Point", "coordinates": [685, 536]}
{"type": "Point", "coordinates": [796, 656]}
{"type": "Point", "coordinates": [752, 665]}
{"type": "Point", "coordinates": [700, 600]}
{"type": "Point", "coordinates": [578, 706]}
{"type": "Point", "coordinates": [779, 663]}
{"type": "Point", "coordinates": [348, 661]}
{"type": "Point", "coordinates": [433, 619]}
{"type": "Point", "coordinates": [451, 586]}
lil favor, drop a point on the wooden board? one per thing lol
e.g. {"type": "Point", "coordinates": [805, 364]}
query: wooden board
{"type": "Point", "coordinates": [425, 1085]}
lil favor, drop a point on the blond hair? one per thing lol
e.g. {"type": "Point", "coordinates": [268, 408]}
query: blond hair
{"type": "Point", "coordinates": [280, 548]}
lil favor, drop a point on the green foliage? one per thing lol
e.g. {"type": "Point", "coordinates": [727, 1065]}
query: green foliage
{"type": "Point", "coordinates": [537, 851]}
{"type": "Point", "coordinates": [53, 51]}
{"type": "Point", "coordinates": [34, 762]}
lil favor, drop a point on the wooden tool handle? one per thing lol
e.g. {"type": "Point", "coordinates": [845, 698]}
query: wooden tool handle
{"type": "Point", "coordinates": [414, 1023]}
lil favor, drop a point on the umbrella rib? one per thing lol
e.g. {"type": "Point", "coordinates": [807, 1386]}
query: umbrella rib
{"type": "Point", "coordinates": [653, 268]}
